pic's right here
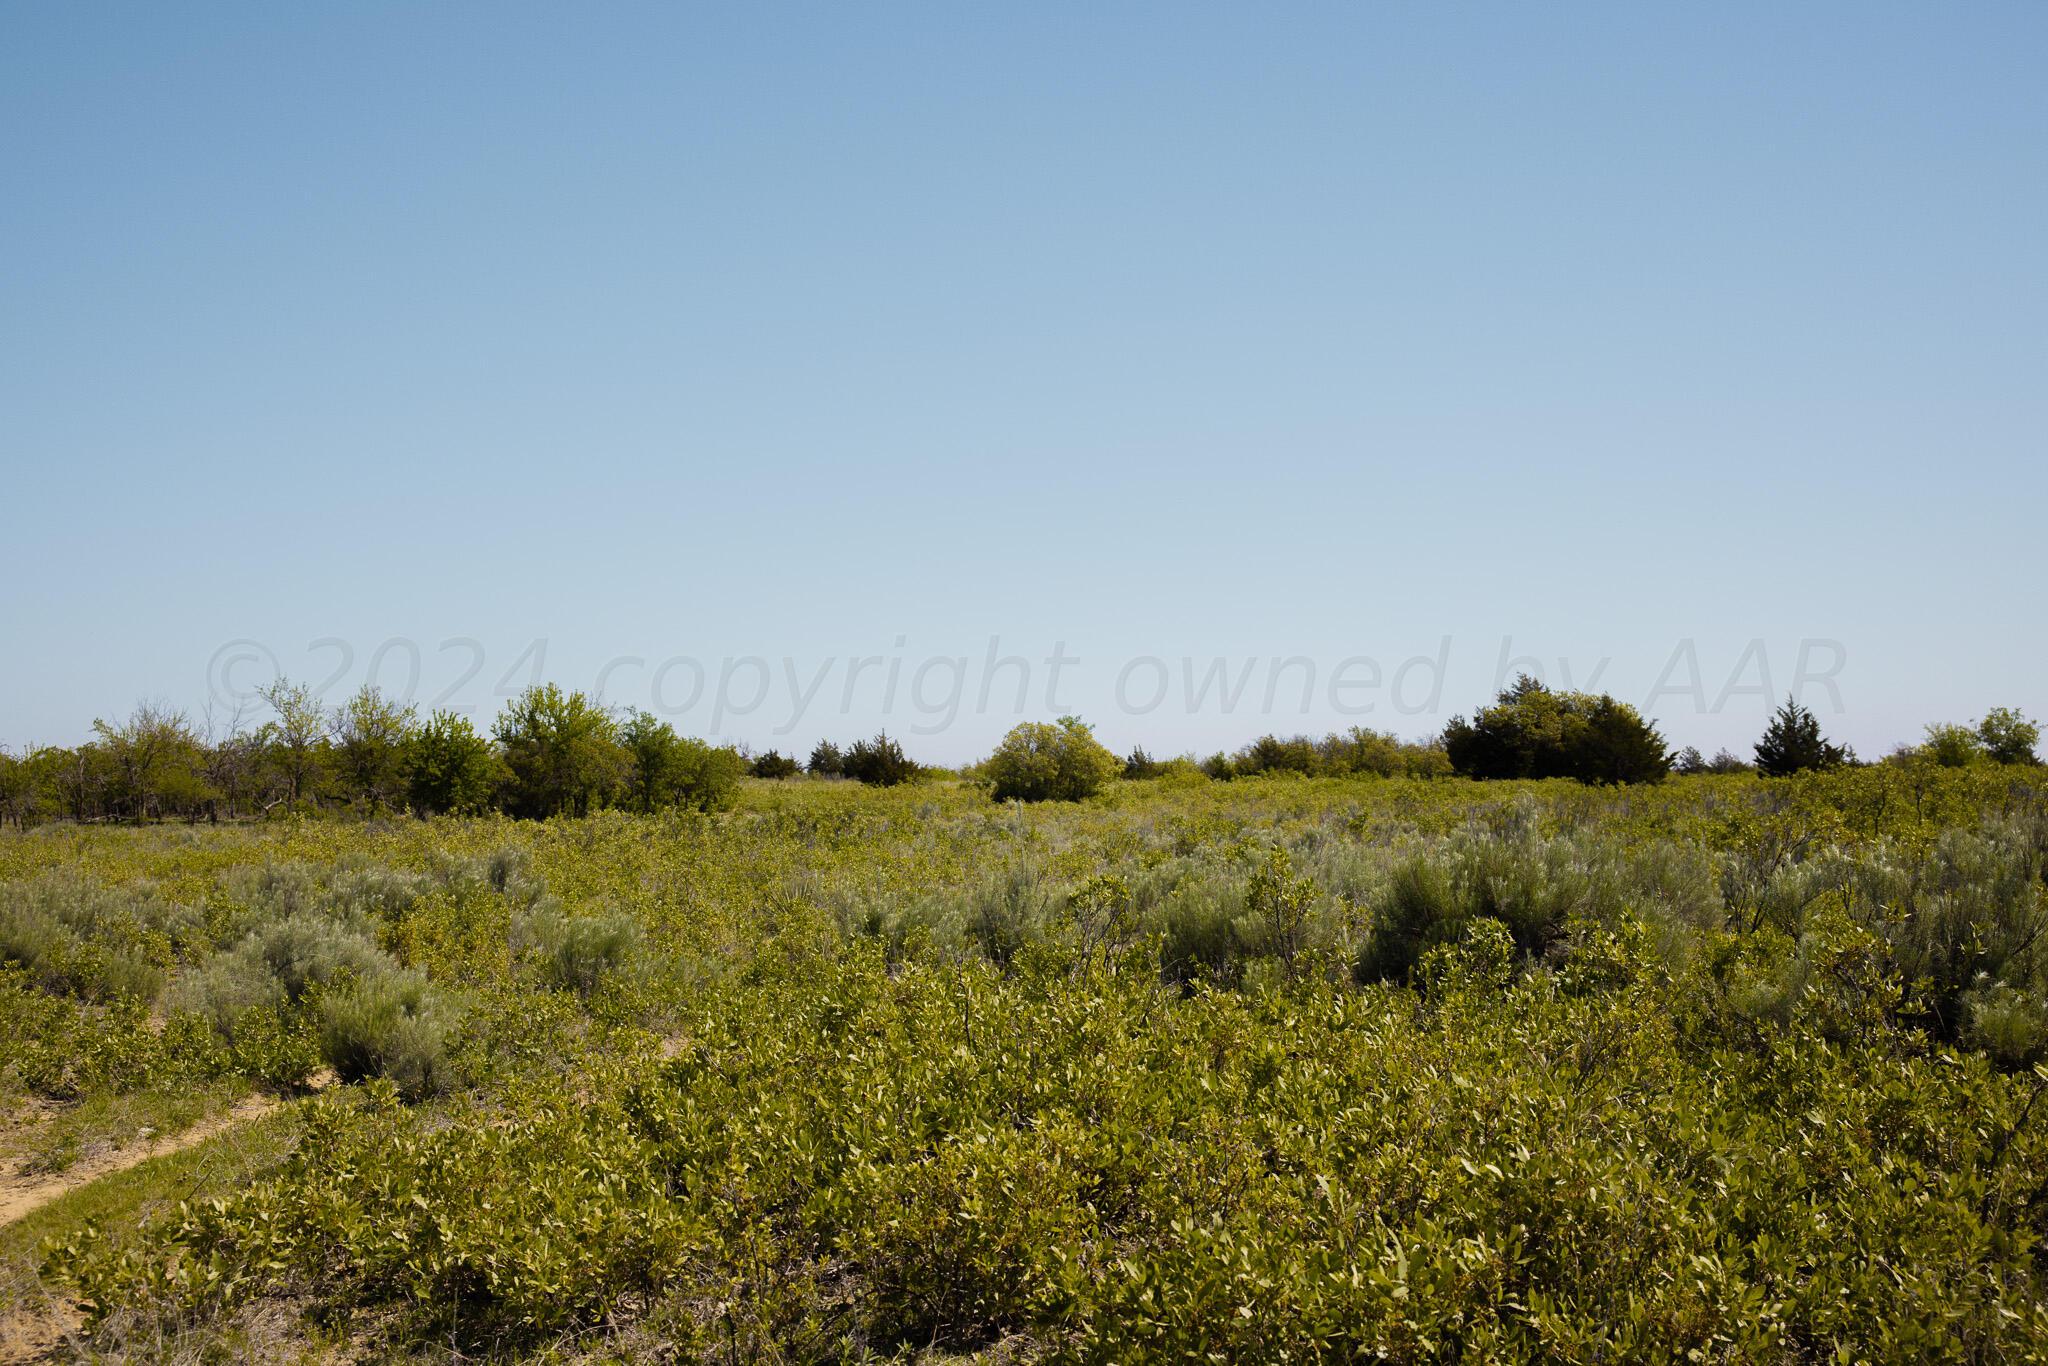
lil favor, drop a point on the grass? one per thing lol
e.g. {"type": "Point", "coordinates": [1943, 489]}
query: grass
{"type": "Point", "coordinates": [125, 1198]}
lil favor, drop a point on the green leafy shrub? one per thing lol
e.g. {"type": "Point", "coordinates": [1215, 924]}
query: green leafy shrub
{"type": "Point", "coordinates": [76, 937]}
{"type": "Point", "coordinates": [1532, 732]}
{"type": "Point", "coordinates": [1482, 961]}
{"type": "Point", "coordinates": [1057, 761]}
{"type": "Point", "coordinates": [1283, 905]}
{"type": "Point", "coordinates": [675, 771]}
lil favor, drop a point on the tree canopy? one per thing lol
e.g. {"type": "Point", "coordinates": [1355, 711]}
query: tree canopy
{"type": "Point", "coordinates": [1532, 732]}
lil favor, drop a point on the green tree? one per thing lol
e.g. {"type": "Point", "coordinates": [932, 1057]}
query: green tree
{"type": "Point", "coordinates": [1050, 761]}
{"type": "Point", "coordinates": [1140, 765]}
{"type": "Point", "coordinates": [1532, 732]}
{"type": "Point", "coordinates": [1272, 754]}
{"type": "Point", "coordinates": [153, 763]}
{"type": "Point", "coordinates": [826, 760]}
{"type": "Point", "coordinates": [1952, 746]}
{"type": "Point", "coordinates": [670, 770]}
{"type": "Point", "coordinates": [82, 779]}
{"type": "Point", "coordinates": [1615, 745]}
{"type": "Point", "coordinates": [879, 762]}
{"type": "Point", "coordinates": [562, 753]}
{"type": "Point", "coordinates": [775, 764]}
{"type": "Point", "coordinates": [294, 740]}
{"type": "Point", "coordinates": [1792, 743]}
{"type": "Point", "coordinates": [370, 732]}
{"type": "Point", "coordinates": [24, 787]}
{"type": "Point", "coordinates": [447, 767]}
{"type": "Point", "coordinates": [2008, 737]}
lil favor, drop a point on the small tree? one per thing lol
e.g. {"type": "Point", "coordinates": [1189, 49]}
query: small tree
{"type": "Point", "coordinates": [231, 758]}
{"type": "Point", "coordinates": [1140, 765]}
{"type": "Point", "coordinates": [1272, 754]}
{"type": "Point", "coordinates": [1532, 732]}
{"type": "Point", "coordinates": [562, 753]}
{"type": "Point", "coordinates": [294, 741]}
{"type": "Point", "coordinates": [1058, 761]}
{"type": "Point", "coordinates": [23, 787]}
{"type": "Point", "coordinates": [2008, 737]}
{"type": "Point", "coordinates": [153, 762]}
{"type": "Point", "coordinates": [83, 778]}
{"type": "Point", "coordinates": [826, 760]}
{"type": "Point", "coordinates": [1617, 746]}
{"type": "Point", "coordinates": [670, 770]}
{"type": "Point", "coordinates": [370, 730]}
{"type": "Point", "coordinates": [879, 762]}
{"type": "Point", "coordinates": [448, 767]}
{"type": "Point", "coordinates": [775, 764]}
{"type": "Point", "coordinates": [1952, 746]}
{"type": "Point", "coordinates": [1792, 743]}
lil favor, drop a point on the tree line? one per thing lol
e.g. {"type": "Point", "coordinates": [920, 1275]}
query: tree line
{"type": "Point", "coordinates": [555, 752]}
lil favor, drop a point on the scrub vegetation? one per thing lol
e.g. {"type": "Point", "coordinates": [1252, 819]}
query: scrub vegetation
{"type": "Point", "coordinates": [1288, 1067]}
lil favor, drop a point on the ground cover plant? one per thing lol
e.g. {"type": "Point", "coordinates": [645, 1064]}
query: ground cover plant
{"type": "Point", "coordinates": [1288, 1067]}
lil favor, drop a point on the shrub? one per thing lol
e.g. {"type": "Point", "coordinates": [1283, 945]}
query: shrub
{"type": "Point", "coordinates": [576, 953]}
{"type": "Point", "coordinates": [1531, 885]}
{"type": "Point", "coordinates": [1532, 732]}
{"type": "Point", "coordinates": [1952, 746]}
{"type": "Point", "coordinates": [388, 1025]}
{"type": "Point", "coordinates": [2008, 737]}
{"type": "Point", "coordinates": [1481, 961]}
{"type": "Point", "coordinates": [879, 762]}
{"type": "Point", "coordinates": [1139, 766]}
{"type": "Point", "coordinates": [1009, 909]}
{"type": "Point", "coordinates": [827, 761]}
{"type": "Point", "coordinates": [1282, 903]}
{"type": "Point", "coordinates": [1271, 754]}
{"type": "Point", "coordinates": [1419, 911]}
{"type": "Point", "coordinates": [774, 764]}
{"type": "Point", "coordinates": [2010, 1026]}
{"type": "Point", "coordinates": [1059, 761]}
{"type": "Point", "coordinates": [670, 770]}
{"type": "Point", "coordinates": [73, 936]}
{"type": "Point", "coordinates": [275, 967]}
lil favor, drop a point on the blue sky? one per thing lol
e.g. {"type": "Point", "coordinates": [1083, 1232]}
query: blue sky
{"type": "Point", "coordinates": [747, 341]}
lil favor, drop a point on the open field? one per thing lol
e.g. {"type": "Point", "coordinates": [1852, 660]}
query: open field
{"type": "Point", "coordinates": [1272, 1069]}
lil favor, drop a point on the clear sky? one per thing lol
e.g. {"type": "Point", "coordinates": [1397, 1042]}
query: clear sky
{"type": "Point", "coordinates": [745, 341]}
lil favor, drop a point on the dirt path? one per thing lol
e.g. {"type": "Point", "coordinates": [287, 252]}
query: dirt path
{"type": "Point", "coordinates": [23, 1195]}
